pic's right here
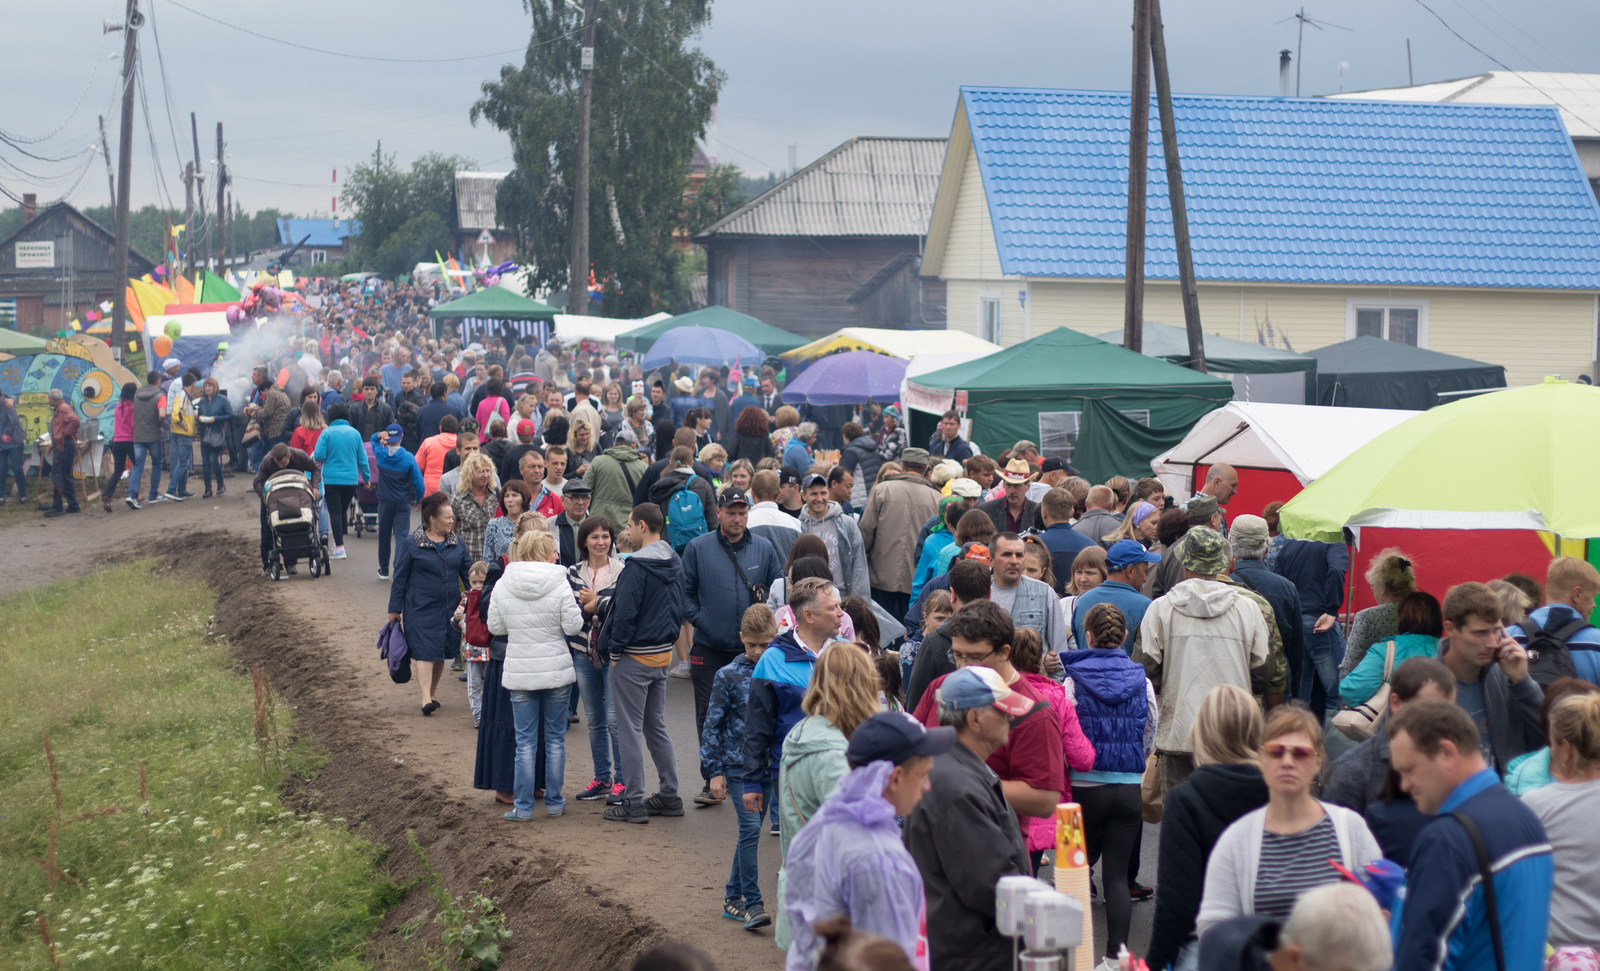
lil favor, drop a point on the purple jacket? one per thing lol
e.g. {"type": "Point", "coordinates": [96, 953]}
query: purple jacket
{"type": "Point", "coordinates": [850, 860]}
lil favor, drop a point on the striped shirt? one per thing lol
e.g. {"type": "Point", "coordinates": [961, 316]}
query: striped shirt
{"type": "Point", "coordinates": [1293, 864]}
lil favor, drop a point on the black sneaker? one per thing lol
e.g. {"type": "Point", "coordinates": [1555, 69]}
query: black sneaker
{"type": "Point", "coordinates": [594, 790]}
{"type": "Point", "coordinates": [659, 805]}
{"type": "Point", "coordinates": [1139, 891]}
{"type": "Point", "coordinates": [705, 798]}
{"type": "Point", "coordinates": [755, 916]}
{"type": "Point", "coordinates": [733, 910]}
{"type": "Point", "coordinates": [625, 814]}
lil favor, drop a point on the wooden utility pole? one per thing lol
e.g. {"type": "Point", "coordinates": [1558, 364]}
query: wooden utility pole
{"type": "Point", "coordinates": [111, 177]}
{"type": "Point", "coordinates": [119, 283]}
{"type": "Point", "coordinates": [188, 217]}
{"type": "Point", "coordinates": [578, 288]}
{"type": "Point", "coordinates": [222, 183]}
{"type": "Point", "coordinates": [1138, 147]}
{"type": "Point", "coordinates": [197, 249]}
{"type": "Point", "coordinates": [1180, 215]}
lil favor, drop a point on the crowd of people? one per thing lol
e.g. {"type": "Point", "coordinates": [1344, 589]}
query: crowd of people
{"type": "Point", "coordinates": [904, 656]}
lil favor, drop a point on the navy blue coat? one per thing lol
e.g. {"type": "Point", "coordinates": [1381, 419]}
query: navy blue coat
{"type": "Point", "coordinates": [1284, 597]}
{"type": "Point", "coordinates": [426, 591]}
{"type": "Point", "coordinates": [715, 598]}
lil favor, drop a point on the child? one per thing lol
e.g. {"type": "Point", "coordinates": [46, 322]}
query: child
{"type": "Point", "coordinates": [936, 611]}
{"type": "Point", "coordinates": [722, 757]}
{"type": "Point", "coordinates": [477, 654]}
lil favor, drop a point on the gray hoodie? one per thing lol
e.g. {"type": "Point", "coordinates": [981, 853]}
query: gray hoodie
{"type": "Point", "coordinates": [846, 554]}
{"type": "Point", "coordinates": [1200, 635]}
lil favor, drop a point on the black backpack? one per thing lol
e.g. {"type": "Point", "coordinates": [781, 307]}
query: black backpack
{"type": "Point", "coordinates": [1549, 657]}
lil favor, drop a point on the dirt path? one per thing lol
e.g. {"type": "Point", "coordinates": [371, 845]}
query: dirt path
{"type": "Point", "coordinates": [580, 893]}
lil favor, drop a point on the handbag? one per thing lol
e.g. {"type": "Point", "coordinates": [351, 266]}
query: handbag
{"type": "Point", "coordinates": [1360, 722]}
{"type": "Point", "coordinates": [757, 591]}
{"type": "Point", "coordinates": [392, 648]}
{"type": "Point", "coordinates": [1150, 789]}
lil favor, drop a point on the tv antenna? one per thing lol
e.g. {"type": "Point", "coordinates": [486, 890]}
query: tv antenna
{"type": "Point", "coordinates": [1301, 43]}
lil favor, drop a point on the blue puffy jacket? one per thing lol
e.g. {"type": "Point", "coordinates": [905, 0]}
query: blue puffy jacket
{"type": "Point", "coordinates": [343, 458]}
{"type": "Point", "coordinates": [399, 478]}
{"type": "Point", "coordinates": [776, 688]}
{"type": "Point", "coordinates": [1109, 688]}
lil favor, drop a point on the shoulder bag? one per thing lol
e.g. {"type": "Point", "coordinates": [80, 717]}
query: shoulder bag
{"type": "Point", "coordinates": [1491, 907]}
{"type": "Point", "coordinates": [758, 592]}
{"type": "Point", "coordinates": [1360, 722]}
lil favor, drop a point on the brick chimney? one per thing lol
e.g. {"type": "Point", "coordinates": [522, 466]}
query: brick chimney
{"type": "Point", "coordinates": [30, 207]}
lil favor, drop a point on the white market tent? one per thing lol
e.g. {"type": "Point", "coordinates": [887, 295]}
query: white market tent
{"type": "Point", "coordinates": [1305, 440]}
{"type": "Point", "coordinates": [571, 328]}
{"type": "Point", "coordinates": [904, 344]}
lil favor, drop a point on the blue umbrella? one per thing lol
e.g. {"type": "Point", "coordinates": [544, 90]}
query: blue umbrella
{"type": "Point", "coordinates": [851, 378]}
{"type": "Point", "coordinates": [701, 345]}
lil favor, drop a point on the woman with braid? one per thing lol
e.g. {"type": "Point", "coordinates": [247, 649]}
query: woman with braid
{"type": "Point", "coordinates": [1117, 712]}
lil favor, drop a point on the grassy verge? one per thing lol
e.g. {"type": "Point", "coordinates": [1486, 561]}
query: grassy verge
{"type": "Point", "coordinates": [140, 825]}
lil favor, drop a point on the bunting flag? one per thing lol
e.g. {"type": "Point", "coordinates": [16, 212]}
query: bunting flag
{"type": "Point", "coordinates": [186, 290]}
{"type": "Point", "coordinates": [213, 289]}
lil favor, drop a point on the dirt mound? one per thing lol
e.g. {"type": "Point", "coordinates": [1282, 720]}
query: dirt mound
{"type": "Point", "coordinates": [559, 921]}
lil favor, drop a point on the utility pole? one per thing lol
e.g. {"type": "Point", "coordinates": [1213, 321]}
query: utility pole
{"type": "Point", "coordinates": [188, 216]}
{"type": "Point", "coordinates": [222, 183]}
{"type": "Point", "coordinates": [1180, 215]}
{"type": "Point", "coordinates": [197, 249]}
{"type": "Point", "coordinates": [119, 299]}
{"type": "Point", "coordinates": [111, 178]}
{"type": "Point", "coordinates": [1138, 147]}
{"type": "Point", "coordinates": [578, 288]}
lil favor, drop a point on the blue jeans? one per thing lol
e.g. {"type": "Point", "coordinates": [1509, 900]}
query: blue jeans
{"type": "Point", "coordinates": [1319, 675]}
{"type": "Point", "coordinates": [394, 525]}
{"type": "Point", "coordinates": [11, 461]}
{"type": "Point", "coordinates": [211, 463]}
{"type": "Point", "coordinates": [743, 881]}
{"type": "Point", "coordinates": [594, 685]}
{"type": "Point", "coordinates": [532, 710]}
{"type": "Point", "coordinates": [140, 451]}
{"type": "Point", "coordinates": [182, 458]}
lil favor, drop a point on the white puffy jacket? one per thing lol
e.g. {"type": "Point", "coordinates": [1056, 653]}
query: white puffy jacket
{"type": "Point", "coordinates": [533, 605]}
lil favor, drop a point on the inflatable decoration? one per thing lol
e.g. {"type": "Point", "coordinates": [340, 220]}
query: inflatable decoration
{"type": "Point", "coordinates": [162, 345]}
{"type": "Point", "coordinates": [173, 329]}
{"type": "Point", "coordinates": [234, 314]}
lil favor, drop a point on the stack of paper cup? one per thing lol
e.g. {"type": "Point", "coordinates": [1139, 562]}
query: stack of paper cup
{"type": "Point", "coordinates": [1072, 875]}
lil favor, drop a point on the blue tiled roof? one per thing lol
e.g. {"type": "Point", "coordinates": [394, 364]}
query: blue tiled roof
{"type": "Point", "coordinates": [1292, 190]}
{"type": "Point", "coordinates": [322, 231]}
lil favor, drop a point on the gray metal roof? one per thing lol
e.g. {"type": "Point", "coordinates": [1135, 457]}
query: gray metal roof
{"type": "Point", "coordinates": [869, 186]}
{"type": "Point", "coordinates": [475, 199]}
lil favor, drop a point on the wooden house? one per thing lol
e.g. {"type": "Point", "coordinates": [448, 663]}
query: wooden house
{"type": "Point", "coordinates": [59, 266]}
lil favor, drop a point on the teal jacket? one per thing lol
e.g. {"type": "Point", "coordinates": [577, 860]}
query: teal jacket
{"type": "Point", "coordinates": [1364, 681]}
{"type": "Point", "coordinates": [1529, 771]}
{"type": "Point", "coordinates": [813, 763]}
{"type": "Point", "coordinates": [342, 454]}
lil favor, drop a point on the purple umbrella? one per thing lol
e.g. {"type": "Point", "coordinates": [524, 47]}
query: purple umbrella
{"type": "Point", "coordinates": [851, 378]}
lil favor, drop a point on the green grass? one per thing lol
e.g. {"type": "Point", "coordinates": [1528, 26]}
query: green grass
{"type": "Point", "coordinates": [208, 869]}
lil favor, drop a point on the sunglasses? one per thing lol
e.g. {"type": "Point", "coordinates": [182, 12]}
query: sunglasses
{"type": "Point", "coordinates": [1300, 753]}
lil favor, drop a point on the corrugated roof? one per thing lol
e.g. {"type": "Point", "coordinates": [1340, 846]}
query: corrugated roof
{"type": "Point", "coordinates": [1292, 190]}
{"type": "Point", "coordinates": [1577, 95]}
{"type": "Point", "coordinates": [475, 199]}
{"type": "Point", "coordinates": [323, 232]}
{"type": "Point", "coordinates": [869, 186]}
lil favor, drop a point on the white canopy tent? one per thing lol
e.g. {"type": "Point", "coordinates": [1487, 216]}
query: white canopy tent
{"type": "Point", "coordinates": [1305, 440]}
{"type": "Point", "coordinates": [935, 401]}
{"type": "Point", "coordinates": [571, 328]}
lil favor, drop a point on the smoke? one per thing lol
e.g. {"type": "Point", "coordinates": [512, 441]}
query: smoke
{"type": "Point", "coordinates": [249, 348]}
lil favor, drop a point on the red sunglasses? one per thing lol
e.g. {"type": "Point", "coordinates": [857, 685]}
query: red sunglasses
{"type": "Point", "coordinates": [1301, 753]}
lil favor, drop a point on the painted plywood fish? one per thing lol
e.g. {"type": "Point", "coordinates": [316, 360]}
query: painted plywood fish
{"type": "Point", "coordinates": [84, 371]}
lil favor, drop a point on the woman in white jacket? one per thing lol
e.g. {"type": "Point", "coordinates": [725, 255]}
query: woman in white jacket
{"type": "Point", "coordinates": [1268, 857]}
{"type": "Point", "coordinates": [534, 608]}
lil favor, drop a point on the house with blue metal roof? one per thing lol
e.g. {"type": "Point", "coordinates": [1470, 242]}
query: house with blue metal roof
{"type": "Point", "coordinates": [1466, 229]}
{"type": "Point", "coordinates": [326, 242]}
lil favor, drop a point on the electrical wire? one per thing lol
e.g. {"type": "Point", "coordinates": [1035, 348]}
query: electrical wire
{"type": "Point", "coordinates": [14, 139]}
{"type": "Point", "coordinates": [1502, 64]}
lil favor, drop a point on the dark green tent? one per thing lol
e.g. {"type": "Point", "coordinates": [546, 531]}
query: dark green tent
{"type": "Point", "coordinates": [1370, 372]}
{"type": "Point", "coordinates": [1107, 410]}
{"type": "Point", "coordinates": [1245, 362]}
{"type": "Point", "coordinates": [770, 339]}
{"type": "Point", "coordinates": [496, 310]}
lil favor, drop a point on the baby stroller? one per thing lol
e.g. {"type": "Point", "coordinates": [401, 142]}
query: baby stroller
{"type": "Point", "coordinates": [292, 514]}
{"type": "Point", "coordinates": [363, 512]}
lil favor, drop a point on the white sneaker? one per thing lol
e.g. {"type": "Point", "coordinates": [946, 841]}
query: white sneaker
{"type": "Point", "coordinates": [337, 554]}
{"type": "Point", "coordinates": [174, 497]}
{"type": "Point", "coordinates": [1108, 964]}
{"type": "Point", "coordinates": [679, 670]}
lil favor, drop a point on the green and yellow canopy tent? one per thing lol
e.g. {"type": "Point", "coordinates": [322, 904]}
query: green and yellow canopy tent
{"type": "Point", "coordinates": [1107, 410]}
{"type": "Point", "coordinates": [770, 339]}
{"type": "Point", "coordinates": [496, 310]}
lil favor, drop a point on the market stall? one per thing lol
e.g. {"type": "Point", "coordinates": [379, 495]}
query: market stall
{"type": "Point", "coordinates": [1370, 372]}
{"type": "Point", "coordinates": [1258, 372]}
{"type": "Point", "coordinates": [495, 311]}
{"type": "Point", "coordinates": [770, 339]}
{"type": "Point", "coordinates": [904, 344]}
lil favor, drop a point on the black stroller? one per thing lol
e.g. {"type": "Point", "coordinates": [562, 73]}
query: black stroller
{"type": "Point", "coordinates": [292, 514]}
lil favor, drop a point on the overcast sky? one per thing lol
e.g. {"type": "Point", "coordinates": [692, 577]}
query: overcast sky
{"type": "Point", "coordinates": [809, 74]}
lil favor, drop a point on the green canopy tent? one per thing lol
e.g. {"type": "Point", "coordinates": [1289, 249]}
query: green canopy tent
{"type": "Point", "coordinates": [1370, 372]}
{"type": "Point", "coordinates": [496, 310]}
{"type": "Point", "coordinates": [770, 339]}
{"type": "Point", "coordinates": [15, 342]}
{"type": "Point", "coordinates": [1107, 410]}
{"type": "Point", "coordinates": [1259, 373]}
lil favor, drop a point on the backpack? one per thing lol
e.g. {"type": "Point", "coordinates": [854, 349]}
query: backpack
{"type": "Point", "coordinates": [686, 515]}
{"type": "Point", "coordinates": [477, 631]}
{"type": "Point", "coordinates": [1549, 657]}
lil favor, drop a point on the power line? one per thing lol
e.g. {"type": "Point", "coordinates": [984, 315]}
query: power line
{"type": "Point", "coordinates": [1502, 64]}
{"type": "Point", "coordinates": [18, 139]}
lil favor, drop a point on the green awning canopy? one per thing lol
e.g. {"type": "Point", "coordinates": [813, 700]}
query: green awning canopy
{"type": "Point", "coordinates": [14, 342]}
{"type": "Point", "coordinates": [1106, 410]}
{"type": "Point", "coordinates": [770, 339]}
{"type": "Point", "coordinates": [1225, 354]}
{"type": "Point", "coordinates": [493, 303]}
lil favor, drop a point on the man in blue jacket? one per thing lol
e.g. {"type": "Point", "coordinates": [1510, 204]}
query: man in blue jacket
{"type": "Point", "coordinates": [1445, 923]}
{"type": "Point", "coordinates": [399, 483]}
{"type": "Point", "coordinates": [1251, 542]}
{"type": "Point", "coordinates": [716, 596]}
{"type": "Point", "coordinates": [646, 612]}
{"type": "Point", "coordinates": [1570, 588]}
{"type": "Point", "coordinates": [1317, 571]}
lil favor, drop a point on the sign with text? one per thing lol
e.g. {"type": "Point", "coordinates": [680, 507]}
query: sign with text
{"type": "Point", "coordinates": [36, 255]}
{"type": "Point", "coordinates": [961, 401]}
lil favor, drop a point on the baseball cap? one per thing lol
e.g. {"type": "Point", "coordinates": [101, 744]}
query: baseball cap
{"type": "Point", "coordinates": [815, 478]}
{"type": "Point", "coordinates": [1126, 552]}
{"type": "Point", "coordinates": [525, 428]}
{"type": "Point", "coordinates": [788, 475]}
{"type": "Point", "coordinates": [894, 736]}
{"type": "Point", "coordinates": [914, 456]}
{"type": "Point", "coordinates": [974, 551]}
{"type": "Point", "coordinates": [1017, 470]}
{"type": "Point", "coordinates": [732, 496]}
{"type": "Point", "coordinates": [1053, 464]}
{"type": "Point", "coordinates": [978, 687]}
{"type": "Point", "coordinates": [577, 487]}
{"type": "Point", "coordinates": [395, 431]}
{"type": "Point", "coordinates": [626, 434]}
{"type": "Point", "coordinates": [965, 488]}
{"type": "Point", "coordinates": [1250, 530]}
{"type": "Point", "coordinates": [1204, 551]}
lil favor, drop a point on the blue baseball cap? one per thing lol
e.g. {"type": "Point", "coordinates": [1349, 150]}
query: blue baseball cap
{"type": "Point", "coordinates": [1126, 552]}
{"type": "Point", "coordinates": [978, 687]}
{"type": "Point", "coordinates": [395, 431]}
{"type": "Point", "coordinates": [894, 736]}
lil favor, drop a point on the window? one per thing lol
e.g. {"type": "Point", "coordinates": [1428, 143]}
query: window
{"type": "Point", "coordinates": [318, 256]}
{"type": "Point", "coordinates": [1401, 321]}
{"type": "Point", "coordinates": [989, 317]}
{"type": "Point", "coordinates": [8, 313]}
{"type": "Point", "coordinates": [1058, 431]}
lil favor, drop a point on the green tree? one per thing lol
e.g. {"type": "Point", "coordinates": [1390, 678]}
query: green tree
{"type": "Point", "coordinates": [652, 98]}
{"type": "Point", "coordinates": [389, 203]}
{"type": "Point", "coordinates": [417, 239]}
{"type": "Point", "coordinates": [719, 195]}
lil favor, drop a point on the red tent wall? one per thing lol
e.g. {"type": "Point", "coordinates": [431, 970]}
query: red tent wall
{"type": "Point", "coordinates": [1257, 487]}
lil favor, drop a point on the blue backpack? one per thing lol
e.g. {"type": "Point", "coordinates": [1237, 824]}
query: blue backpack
{"type": "Point", "coordinates": [686, 515]}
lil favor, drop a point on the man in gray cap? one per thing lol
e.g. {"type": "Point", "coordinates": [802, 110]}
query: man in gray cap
{"type": "Point", "coordinates": [575, 496]}
{"type": "Point", "coordinates": [895, 511]}
{"type": "Point", "coordinates": [1203, 634]}
{"type": "Point", "coordinates": [1250, 540]}
{"type": "Point", "coordinates": [1202, 511]}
